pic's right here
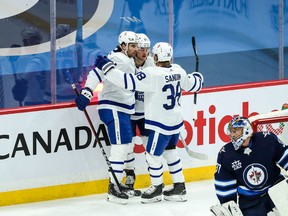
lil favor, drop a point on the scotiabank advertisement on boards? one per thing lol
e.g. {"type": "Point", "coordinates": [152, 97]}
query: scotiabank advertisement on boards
{"type": "Point", "coordinates": [55, 146]}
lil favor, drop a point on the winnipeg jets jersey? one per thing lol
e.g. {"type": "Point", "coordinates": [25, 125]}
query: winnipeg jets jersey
{"type": "Point", "coordinates": [139, 95]}
{"type": "Point", "coordinates": [163, 90]}
{"type": "Point", "coordinates": [252, 170]}
{"type": "Point", "coordinates": [112, 96]}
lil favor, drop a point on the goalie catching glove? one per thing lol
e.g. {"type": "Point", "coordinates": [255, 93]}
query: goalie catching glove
{"type": "Point", "coordinates": [83, 100]}
{"type": "Point", "coordinates": [104, 64]}
{"type": "Point", "coordinates": [226, 209]}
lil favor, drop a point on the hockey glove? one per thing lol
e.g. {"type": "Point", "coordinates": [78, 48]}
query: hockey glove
{"type": "Point", "coordinates": [83, 100]}
{"type": "Point", "coordinates": [198, 76]}
{"type": "Point", "coordinates": [19, 90]}
{"type": "Point", "coordinates": [104, 64]}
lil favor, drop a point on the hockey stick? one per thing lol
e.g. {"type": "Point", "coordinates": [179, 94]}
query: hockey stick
{"type": "Point", "coordinates": [73, 85]}
{"type": "Point", "coordinates": [13, 61]}
{"type": "Point", "coordinates": [191, 153]}
{"type": "Point", "coordinates": [196, 69]}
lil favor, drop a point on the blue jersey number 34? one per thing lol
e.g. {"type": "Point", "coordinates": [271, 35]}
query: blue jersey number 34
{"type": "Point", "coordinates": [174, 95]}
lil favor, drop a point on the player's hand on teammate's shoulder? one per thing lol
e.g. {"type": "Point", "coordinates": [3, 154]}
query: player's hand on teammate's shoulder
{"type": "Point", "coordinates": [104, 64]}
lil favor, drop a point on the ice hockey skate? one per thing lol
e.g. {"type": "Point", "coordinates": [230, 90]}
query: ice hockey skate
{"type": "Point", "coordinates": [152, 194]}
{"type": "Point", "coordinates": [130, 180]}
{"type": "Point", "coordinates": [177, 193]}
{"type": "Point", "coordinates": [115, 195]}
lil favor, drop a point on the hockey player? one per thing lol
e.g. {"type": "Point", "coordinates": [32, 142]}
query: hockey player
{"type": "Point", "coordinates": [163, 86]}
{"type": "Point", "coordinates": [65, 61]}
{"type": "Point", "coordinates": [247, 168]}
{"type": "Point", "coordinates": [115, 107]}
{"type": "Point", "coordinates": [142, 60]}
{"type": "Point", "coordinates": [30, 86]}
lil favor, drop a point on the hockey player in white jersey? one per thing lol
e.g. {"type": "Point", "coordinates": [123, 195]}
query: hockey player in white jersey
{"type": "Point", "coordinates": [115, 107]}
{"type": "Point", "coordinates": [163, 86]}
{"type": "Point", "coordinates": [142, 60]}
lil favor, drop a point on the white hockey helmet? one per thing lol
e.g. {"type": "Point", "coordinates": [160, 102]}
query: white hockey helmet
{"type": "Point", "coordinates": [127, 37]}
{"type": "Point", "coordinates": [163, 50]}
{"type": "Point", "coordinates": [143, 41]}
{"type": "Point", "coordinates": [239, 122]}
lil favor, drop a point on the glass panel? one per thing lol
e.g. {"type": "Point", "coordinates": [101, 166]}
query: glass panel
{"type": "Point", "coordinates": [237, 40]}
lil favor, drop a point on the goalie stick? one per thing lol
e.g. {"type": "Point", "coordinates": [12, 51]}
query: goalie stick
{"type": "Point", "coordinates": [197, 70]}
{"type": "Point", "coordinates": [73, 85]}
{"type": "Point", "coordinates": [191, 153]}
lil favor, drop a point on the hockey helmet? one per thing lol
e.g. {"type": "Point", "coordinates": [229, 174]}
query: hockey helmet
{"type": "Point", "coordinates": [143, 41]}
{"type": "Point", "coordinates": [247, 131]}
{"type": "Point", "coordinates": [62, 30]}
{"type": "Point", "coordinates": [163, 50]}
{"type": "Point", "coordinates": [127, 37]}
{"type": "Point", "coordinates": [31, 36]}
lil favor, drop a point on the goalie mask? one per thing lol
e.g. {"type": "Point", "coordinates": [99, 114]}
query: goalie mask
{"type": "Point", "coordinates": [239, 122]}
{"type": "Point", "coordinates": [163, 50]}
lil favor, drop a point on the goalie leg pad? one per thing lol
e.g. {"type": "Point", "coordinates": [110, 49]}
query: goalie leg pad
{"type": "Point", "coordinates": [279, 195]}
{"type": "Point", "coordinates": [226, 209]}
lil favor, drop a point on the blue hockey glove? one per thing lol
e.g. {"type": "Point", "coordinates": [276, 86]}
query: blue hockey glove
{"type": "Point", "coordinates": [83, 100]}
{"type": "Point", "coordinates": [104, 64]}
{"type": "Point", "coordinates": [20, 89]}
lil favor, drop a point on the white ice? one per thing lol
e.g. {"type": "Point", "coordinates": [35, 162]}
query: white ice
{"type": "Point", "coordinates": [201, 195]}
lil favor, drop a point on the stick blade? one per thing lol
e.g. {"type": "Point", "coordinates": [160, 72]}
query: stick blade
{"type": "Point", "coordinates": [194, 47]}
{"type": "Point", "coordinates": [196, 155]}
{"type": "Point", "coordinates": [193, 154]}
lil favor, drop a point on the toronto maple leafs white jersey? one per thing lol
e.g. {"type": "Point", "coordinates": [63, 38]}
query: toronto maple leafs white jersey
{"type": "Point", "coordinates": [139, 95]}
{"type": "Point", "coordinates": [112, 96]}
{"type": "Point", "coordinates": [163, 89]}
{"type": "Point", "coordinates": [249, 171]}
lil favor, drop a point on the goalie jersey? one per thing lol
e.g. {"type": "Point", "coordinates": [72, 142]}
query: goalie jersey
{"type": "Point", "coordinates": [250, 171]}
{"type": "Point", "coordinates": [163, 90]}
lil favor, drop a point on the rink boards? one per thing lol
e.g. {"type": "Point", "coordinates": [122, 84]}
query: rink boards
{"type": "Point", "coordinates": [50, 152]}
